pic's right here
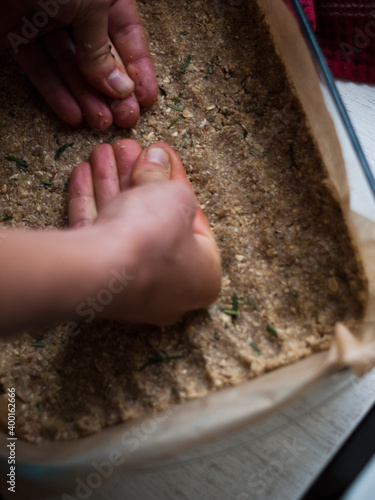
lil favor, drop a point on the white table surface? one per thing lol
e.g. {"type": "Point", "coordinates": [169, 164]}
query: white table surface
{"type": "Point", "coordinates": [279, 458]}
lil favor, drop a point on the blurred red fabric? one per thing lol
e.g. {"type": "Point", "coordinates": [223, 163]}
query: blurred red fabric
{"type": "Point", "coordinates": [346, 33]}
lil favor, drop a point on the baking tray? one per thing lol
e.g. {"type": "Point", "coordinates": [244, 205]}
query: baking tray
{"type": "Point", "coordinates": [51, 471]}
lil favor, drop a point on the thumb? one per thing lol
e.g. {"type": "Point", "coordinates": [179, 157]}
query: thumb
{"type": "Point", "coordinates": [152, 165]}
{"type": "Point", "coordinates": [159, 162]}
{"type": "Point", "coordinates": [93, 52]}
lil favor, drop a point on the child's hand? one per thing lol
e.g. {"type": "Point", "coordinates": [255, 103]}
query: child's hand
{"type": "Point", "coordinates": [78, 53]}
{"type": "Point", "coordinates": [145, 216]}
{"type": "Point", "coordinates": [140, 249]}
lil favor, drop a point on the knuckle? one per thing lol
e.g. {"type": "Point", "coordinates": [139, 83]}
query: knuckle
{"type": "Point", "coordinates": [88, 57]}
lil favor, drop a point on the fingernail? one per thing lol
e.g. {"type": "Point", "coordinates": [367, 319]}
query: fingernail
{"type": "Point", "coordinates": [159, 156]}
{"type": "Point", "coordinates": [120, 82]}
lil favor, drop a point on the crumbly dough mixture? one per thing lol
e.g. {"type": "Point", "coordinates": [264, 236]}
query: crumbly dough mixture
{"type": "Point", "coordinates": [227, 107]}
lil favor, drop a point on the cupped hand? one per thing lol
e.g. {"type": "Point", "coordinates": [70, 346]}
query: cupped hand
{"type": "Point", "coordinates": [141, 205]}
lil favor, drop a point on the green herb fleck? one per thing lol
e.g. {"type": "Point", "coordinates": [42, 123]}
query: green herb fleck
{"type": "Point", "coordinates": [176, 101]}
{"type": "Point", "coordinates": [110, 139]}
{"type": "Point", "coordinates": [186, 64]}
{"type": "Point", "coordinates": [20, 164]}
{"type": "Point", "coordinates": [163, 92]}
{"type": "Point", "coordinates": [272, 331]}
{"type": "Point", "coordinates": [257, 112]}
{"type": "Point", "coordinates": [210, 69]}
{"type": "Point", "coordinates": [231, 312]}
{"type": "Point", "coordinates": [38, 344]}
{"type": "Point", "coordinates": [61, 149]}
{"type": "Point", "coordinates": [234, 311]}
{"type": "Point", "coordinates": [217, 336]}
{"type": "Point", "coordinates": [47, 183]}
{"type": "Point", "coordinates": [250, 301]}
{"type": "Point", "coordinates": [57, 370]}
{"type": "Point", "coordinates": [255, 348]}
{"type": "Point", "coordinates": [174, 107]}
{"type": "Point", "coordinates": [183, 33]}
{"type": "Point", "coordinates": [6, 218]}
{"type": "Point", "coordinates": [279, 235]}
{"type": "Point", "coordinates": [174, 121]}
{"type": "Point", "coordinates": [292, 157]}
{"type": "Point", "coordinates": [160, 357]}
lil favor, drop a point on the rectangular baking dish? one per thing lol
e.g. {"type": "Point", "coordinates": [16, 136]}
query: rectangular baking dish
{"type": "Point", "coordinates": [51, 471]}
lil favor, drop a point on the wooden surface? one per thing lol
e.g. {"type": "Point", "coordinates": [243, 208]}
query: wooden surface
{"type": "Point", "coordinates": [360, 104]}
{"type": "Point", "coordinates": [279, 458]}
{"type": "Point", "coordinates": [359, 101]}
{"type": "Point", "coordinates": [275, 460]}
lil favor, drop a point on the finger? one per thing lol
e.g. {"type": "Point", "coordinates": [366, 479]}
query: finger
{"type": "Point", "coordinates": [200, 225]}
{"type": "Point", "coordinates": [105, 177]}
{"type": "Point", "coordinates": [146, 170]}
{"type": "Point", "coordinates": [82, 206]}
{"type": "Point", "coordinates": [40, 69]}
{"type": "Point", "coordinates": [129, 37]}
{"type": "Point", "coordinates": [61, 48]}
{"type": "Point", "coordinates": [125, 111]}
{"type": "Point", "coordinates": [90, 29]}
{"type": "Point", "coordinates": [126, 154]}
{"type": "Point", "coordinates": [152, 165]}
